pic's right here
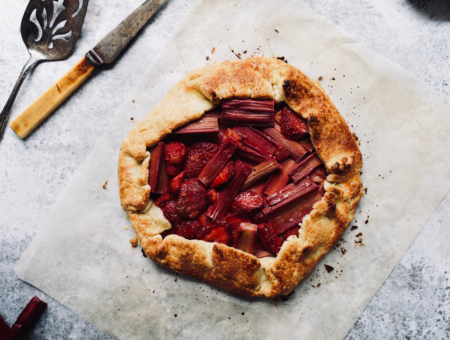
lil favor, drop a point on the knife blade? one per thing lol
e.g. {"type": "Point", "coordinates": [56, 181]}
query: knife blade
{"type": "Point", "coordinates": [105, 52]}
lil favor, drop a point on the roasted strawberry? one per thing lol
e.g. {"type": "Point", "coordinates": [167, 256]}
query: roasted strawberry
{"type": "Point", "coordinates": [281, 153]}
{"type": "Point", "coordinates": [247, 203]}
{"type": "Point", "coordinates": [162, 199]}
{"type": "Point", "coordinates": [170, 213]}
{"type": "Point", "coordinates": [234, 222]}
{"type": "Point", "coordinates": [225, 175]}
{"type": "Point", "coordinates": [198, 155]}
{"type": "Point", "coordinates": [268, 238]}
{"type": "Point", "coordinates": [292, 125]}
{"type": "Point", "coordinates": [189, 229]}
{"type": "Point", "coordinates": [259, 218]}
{"type": "Point", "coordinates": [217, 235]}
{"type": "Point", "coordinates": [290, 232]}
{"type": "Point", "coordinates": [235, 135]}
{"type": "Point", "coordinates": [175, 156]}
{"type": "Point", "coordinates": [176, 183]}
{"type": "Point", "coordinates": [318, 175]}
{"type": "Point", "coordinates": [211, 196]}
{"type": "Point", "coordinates": [191, 199]}
{"type": "Point", "coordinates": [204, 219]}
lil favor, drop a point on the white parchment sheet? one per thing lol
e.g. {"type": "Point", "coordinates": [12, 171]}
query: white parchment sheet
{"type": "Point", "coordinates": [82, 256]}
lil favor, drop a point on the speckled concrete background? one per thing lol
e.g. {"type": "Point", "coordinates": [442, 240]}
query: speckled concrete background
{"type": "Point", "coordinates": [412, 304]}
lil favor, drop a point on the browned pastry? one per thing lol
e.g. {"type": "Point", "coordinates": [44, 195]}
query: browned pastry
{"type": "Point", "coordinates": [223, 266]}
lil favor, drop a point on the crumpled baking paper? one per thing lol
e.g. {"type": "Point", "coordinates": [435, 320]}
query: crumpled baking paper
{"type": "Point", "coordinates": [82, 256]}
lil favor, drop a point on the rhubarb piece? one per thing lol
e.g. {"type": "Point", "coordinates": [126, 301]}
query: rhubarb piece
{"type": "Point", "coordinates": [292, 125]}
{"type": "Point", "coordinates": [250, 105]}
{"type": "Point", "coordinates": [290, 232]}
{"type": "Point", "coordinates": [226, 174]}
{"type": "Point", "coordinates": [268, 238]}
{"type": "Point", "coordinates": [191, 199]}
{"type": "Point", "coordinates": [318, 175]}
{"type": "Point", "coordinates": [260, 218]}
{"type": "Point", "coordinates": [220, 207]}
{"type": "Point", "coordinates": [305, 167]}
{"type": "Point", "coordinates": [247, 118]}
{"type": "Point", "coordinates": [247, 204]}
{"type": "Point", "coordinates": [162, 199]}
{"type": "Point", "coordinates": [163, 184]}
{"type": "Point", "coordinates": [234, 222]}
{"type": "Point", "coordinates": [291, 211]}
{"type": "Point", "coordinates": [281, 153]}
{"type": "Point", "coordinates": [219, 233]}
{"type": "Point", "coordinates": [260, 171]}
{"type": "Point", "coordinates": [262, 254]}
{"type": "Point", "coordinates": [206, 124]}
{"type": "Point", "coordinates": [170, 213]}
{"type": "Point", "coordinates": [307, 144]}
{"type": "Point", "coordinates": [189, 229]}
{"type": "Point", "coordinates": [247, 237]}
{"type": "Point", "coordinates": [27, 319]}
{"type": "Point", "coordinates": [215, 165]}
{"type": "Point", "coordinates": [296, 150]}
{"type": "Point", "coordinates": [252, 154]}
{"type": "Point", "coordinates": [154, 167]}
{"type": "Point", "coordinates": [237, 137]}
{"type": "Point", "coordinates": [176, 183]}
{"type": "Point", "coordinates": [289, 191]}
{"type": "Point", "coordinates": [4, 329]}
{"type": "Point", "coordinates": [257, 247]}
{"type": "Point", "coordinates": [256, 140]}
{"type": "Point", "coordinates": [211, 196]}
{"type": "Point", "coordinates": [198, 155]}
{"type": "Point", "coordinates": [279, 180]}
{"type": "Point", "coordinates": [175, 156]}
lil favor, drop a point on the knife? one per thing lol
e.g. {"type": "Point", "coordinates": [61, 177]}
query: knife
{"type": "Point", "coordinates": [105, 52]}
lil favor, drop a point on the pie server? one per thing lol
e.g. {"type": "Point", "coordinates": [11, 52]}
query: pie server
{"type": "Point", "coordinates": [50, 29]}
{"type": "Point", "coordinates": [105, 52]}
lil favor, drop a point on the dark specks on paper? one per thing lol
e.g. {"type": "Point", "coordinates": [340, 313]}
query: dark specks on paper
{"type": "Point", "coordinates": [105, 185]}
{"type": "Point", "coordinates": [328, 268]}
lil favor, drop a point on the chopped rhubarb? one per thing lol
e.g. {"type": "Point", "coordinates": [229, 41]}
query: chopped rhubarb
{"type": "Point", "coordinates": [268, 238]}
{"type": "Point", "coordinates": [291, 211]}
{"type": "Point", "coordinates": [250, 105]}
{"type": "Point", "coordinates": [251, 154]}
{"type": "Point", "coordinates": [292, 125]}
{"type": "Point", "coordinates": [291, 232]}
{"type": "Point", "coordinates": [215, 165]}
{"type": "Point", "coordinates": [262, 254]}
{"type": "Point", "coordinates": [4, 329]}
{"type": "Point", "coordinates": [154, 167]}
{"type": "Point", "coordinates": [206, 124]}
{"type": "Point", "coordinates": [226, 197]}
{"type": "Point", "coordinates": [27, 319]}
{"type": "Point", "coordinates": [163, 184]}
{"type": "Point", "coordinates": [260, 171]}
{"type": "Point", "coordinates": [307, 144]}
{"type": "Point", "coordinates": [247, 237]}
{"type": "Point", "coordinates": [305, 167]}
{"type": "Point", "coordinates": [289, 190]}
{"type": "Point", "coordinates": [226, 174]}
{"type": "Point", "coordinates": [296, 149]}
{"type": "Point", "coordinates": [279, 180]}
{"type": "Point", "coordinates": [247, 118]}
{"type": "Point", "coordinates": [234, 222]}
{"type": "Point", "coordinates": [247, 204]}
{"type": "Point", "coordinates": [256, 140]}
{"type": "Point", "coordinates": [176, 183]}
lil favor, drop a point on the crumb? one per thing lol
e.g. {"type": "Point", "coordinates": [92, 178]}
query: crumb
{"type": "Point", "coordinates": [131, 118]}
{"type": "Point", "coordinates": [213, 50]}
{"type": "Point", "coordinates": [318, 285]}
{"type": "Point", "coordinates": [359, 235]}
{"type": "Point", "coordinates": [207, 57]}
{"type": "Point", "coordinates": [133, 242]}
{"type": "Point", "coordinates": [354, 227]}
{"type": "Point", "coordinates": [343, 251]}
{"type": "Point", "coordinates": [175, 315]}
{"type": "Point", "coordinates": [277, 31]}
{"type": "Point", "coordinates": [104, 185]}
{"type": "Point", "coordinates": [329, 268]}
{"type": "Point", "coordinates": [367, 221]}
{"type": "Point", "coordinates": [320, 78]}
{"type": "Point", "coordinates": [133, 100]}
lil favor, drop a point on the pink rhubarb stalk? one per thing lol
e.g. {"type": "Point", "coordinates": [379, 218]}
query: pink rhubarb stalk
{"type": "Point", "coordinates": [226, 197]}
{"type": "Point", "coordinates": [260, 171]}
{"type": "Point", "coordinates": [250, 105]}
{"type": "Point", "coordinates": [252, 154]}
{"type": "Point", "coordinates": [305, 167]}
{"type": "Point", "coordinates": [155, 167]}
{"type": "Point", "coordinates": [256, 140]}
{"type": "Point", "coordinates": [247, 118]}
{"type": "Point", "coordinates": [290, 190]}
{"type": "Point", "coordinates": [296, 150]}
{"type": "Point", "coordinates": [307, 144]}
{"type": "Point", "coordinates": [279, 180]}
{"type": "Point", "coordinates": [206, 124]}
{"type": "Point", "coordinates": [216, 164]}
{"type": "Point", "coordinates": [27, 319]}
{"type": "Point", "coordinates": [247, 237]}
{"type": "Point", "coordinates": [262, 254]}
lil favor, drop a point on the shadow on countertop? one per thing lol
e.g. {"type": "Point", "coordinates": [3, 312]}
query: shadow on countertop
{"type": "Point", "coordinates": [438, 10]}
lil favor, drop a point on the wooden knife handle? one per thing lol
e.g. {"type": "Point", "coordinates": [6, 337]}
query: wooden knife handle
{"type": "Point", "coordinates": [29, 119]}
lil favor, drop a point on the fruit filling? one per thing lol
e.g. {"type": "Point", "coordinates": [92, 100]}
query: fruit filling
{"type": "Point", "coordinates": [248, 183]}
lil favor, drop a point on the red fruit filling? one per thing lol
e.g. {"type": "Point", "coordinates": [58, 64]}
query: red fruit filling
{"type": "Point", "coordinates": [215, 193]}
{"type": "Point", "coordinates": [191, 199]}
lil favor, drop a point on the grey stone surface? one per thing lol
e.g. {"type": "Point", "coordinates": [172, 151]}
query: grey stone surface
{"type": "Point", "coordinates": [414, 301]}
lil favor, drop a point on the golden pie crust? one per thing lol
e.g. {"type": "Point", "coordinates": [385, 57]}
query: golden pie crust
{"type": "Point", "coordinates": [226, 267]}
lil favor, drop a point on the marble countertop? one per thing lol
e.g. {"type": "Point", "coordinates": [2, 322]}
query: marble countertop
{"type": "Point", "coordinates": [414, 303]}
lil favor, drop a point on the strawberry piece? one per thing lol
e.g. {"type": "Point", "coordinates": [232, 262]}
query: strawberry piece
{"type": "Point", "coordinates": [162, 199]}
{"type": "Point", "coordinates": [189, 229]}
{"type": "Point", "coordinates": [234, 222]}
{"type": "Point", "coordinates": [217, 235]}
{"type": "Point", "coordinates": [170, 213]}
{"type": "Point", "coordinates": [176, 183]}
{"type": "Point", "coordinates": [171, 231]}
{"type": "Point", "coordinates": [258, 247]}
{"type": "Point", "coordinates": [175, 156]}
{"type": "Point", "coordinates": [204, 219]}
{"type": "Point", "coordinates": [211, 196]}
{"type": "Point", "coordinates": [225, 175]}
{"type": "Point", "coordinates": [247, 203]}
{"type": "Point", "coordinates": [259, 218]}
{"type": "Point", "coordinates": [237, 137]}
{"type": "Point", "coordinates": [191, 199]}
{"type": "Point", "coordinates": [198, 155]}
{"type": "Point", "coordinates": [289, 232]}
{"type": "Point", "coordinates": [268, 238]}
{"type": "Point", "coordinates": [292, 125]}
{"type": "Point", "coordinates": [281, 153]}
{"type": "Point", "coordinates": [318, 175]}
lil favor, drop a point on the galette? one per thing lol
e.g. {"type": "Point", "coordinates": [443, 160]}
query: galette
{"type": "Point", "coordinates": [244, 176]}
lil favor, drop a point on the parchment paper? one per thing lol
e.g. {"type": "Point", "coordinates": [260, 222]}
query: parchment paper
{"type": "Point", "coordinates": [82, 256]}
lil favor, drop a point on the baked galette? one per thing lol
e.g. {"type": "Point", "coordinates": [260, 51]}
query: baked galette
{"type": "Point", "coordinates": [244, 176]}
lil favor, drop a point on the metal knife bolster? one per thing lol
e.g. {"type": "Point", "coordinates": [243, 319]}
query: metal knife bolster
{"type": "Point", "coordinates": [94, 58]}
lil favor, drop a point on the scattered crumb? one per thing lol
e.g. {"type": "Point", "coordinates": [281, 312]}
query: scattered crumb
{"type": "Point", "coordinates": [175, 315]}
{"type": "Point", "coordinates": [207, 57]}
{"type": "Point", "coordinates": [277, 31]}
{"type": "Point", "coordinates": [329, 268]}
{"type": "Point", "coordinates": [213, 50]}
{"type": "Point", "coordinates": [320, 78]}
{"type": "Point", "coordinates": [133, 242]}
{"type": "Point", "coordinates": [354, 227]}
{"type": "Point", "coordinates": [133, 100]}
{"type": "Point", "coordinates": [104, 185]}
{"type": "Point", "coordinates": [359, 235]}
{"type": "Point", "coordinates": [131, 118]}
